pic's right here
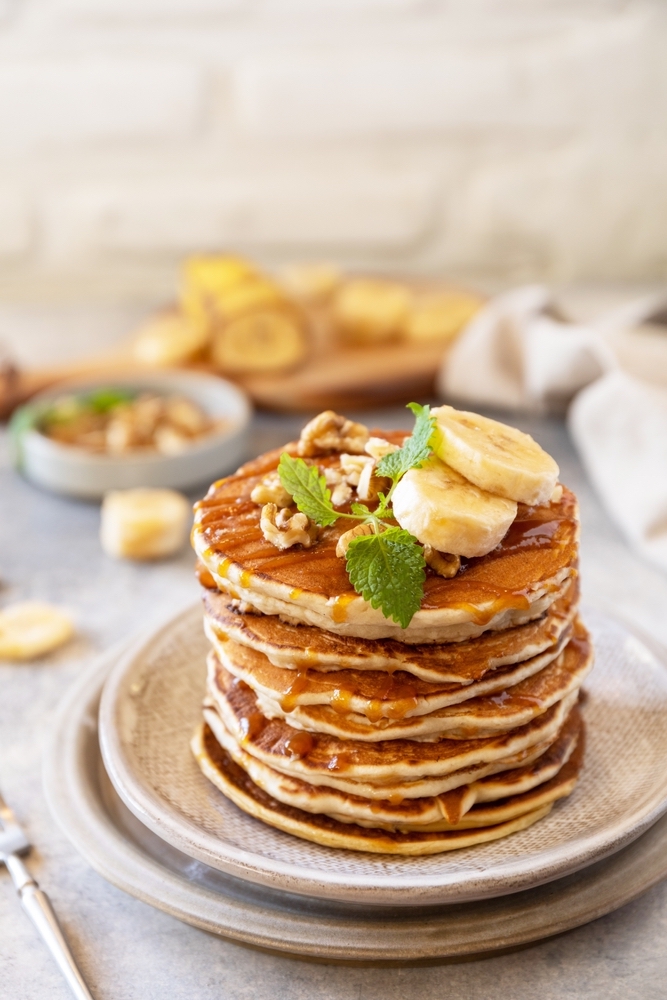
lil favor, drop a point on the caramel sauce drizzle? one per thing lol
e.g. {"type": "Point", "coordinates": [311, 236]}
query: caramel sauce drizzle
{"type": "Point", "coordinates": [299, 744]}
{"type": "Point", "coordinates": [299, 683]}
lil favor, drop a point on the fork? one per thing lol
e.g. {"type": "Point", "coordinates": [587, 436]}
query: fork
{"type": "Point", "coordinates": [35, 902]}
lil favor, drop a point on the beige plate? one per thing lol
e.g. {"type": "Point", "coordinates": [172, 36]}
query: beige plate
{"type": "Point", "coordinates": [151, 705]}
{"type": "Point", "coordinates": [133, 858]}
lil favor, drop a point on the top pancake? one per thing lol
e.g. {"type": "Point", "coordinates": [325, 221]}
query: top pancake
{"type": "Point", "coordinates": [511, 585]}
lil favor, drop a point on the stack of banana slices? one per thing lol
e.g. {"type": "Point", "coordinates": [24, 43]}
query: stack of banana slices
{"type": "Point", "coordinates": [330, 721]}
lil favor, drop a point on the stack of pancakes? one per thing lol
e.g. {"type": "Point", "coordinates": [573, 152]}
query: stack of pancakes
{"type": "Point", "coordinates": [325, 719]}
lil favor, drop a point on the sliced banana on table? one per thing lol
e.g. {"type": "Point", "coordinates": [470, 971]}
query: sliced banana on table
{"type": "Point", "coordinates": [169, 338]}
{"type": "Point", "coordinates": [31, 629]}
{"type": "Point", "coordinates": [495, 457]}
{"type": "Point", "coordinates": [371, 310]}
{"type": "Point", "coordinates": [264, 341]}
{"type": "Point", "coordinates": [439, 316]}
{"type": "Point", "coordinates": [442, 509]}
{"type": "Point", "coordinates": [144, 523]}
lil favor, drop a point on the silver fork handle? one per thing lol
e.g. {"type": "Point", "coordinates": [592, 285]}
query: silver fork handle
{"type": "Point", "coordinates": [36, 904]}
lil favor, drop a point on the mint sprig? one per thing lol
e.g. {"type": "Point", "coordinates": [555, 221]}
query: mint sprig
{"type": "Point", "coordinates": [387, 568]}
{"type": "Point", "coordinates": [415, 449]}
{"type": "Point", "coordinates": [308, 488]}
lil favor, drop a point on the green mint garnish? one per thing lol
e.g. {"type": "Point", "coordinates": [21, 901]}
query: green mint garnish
{"type": "Point", "coordinates": [416, 448]}
{"type": "Point", "coordinates": [388, 570]}
{"type": "Point", "coordinates": [309, 489]}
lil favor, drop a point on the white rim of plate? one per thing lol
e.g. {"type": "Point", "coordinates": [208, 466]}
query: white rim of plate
{"type": "Point", "coordinates": [72, 763]}
{"type": "Point", "coordinates": [164, 819]}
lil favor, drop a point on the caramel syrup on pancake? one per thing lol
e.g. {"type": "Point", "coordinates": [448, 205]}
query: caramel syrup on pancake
{"type": "Point", "coordinates": [299, 745]}
{"type": "Point", "coordinates": [290, 699]}
{"type": "Point", "coordinates": [541, 542]}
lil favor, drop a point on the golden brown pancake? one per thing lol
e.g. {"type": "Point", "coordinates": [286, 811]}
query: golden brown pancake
{"type": "Point", "coordinates": [298, 647]}
{"type": "Point", "coordinates": [413, 768]}
{"type": "Point", "coordinates": [502, 711]}
{"type": "Point", "coordinates": [509, 586]}
{"type": "Point", "coordinates": [448, 808]}
{"type": "Point", "coordinates": [219, 767]}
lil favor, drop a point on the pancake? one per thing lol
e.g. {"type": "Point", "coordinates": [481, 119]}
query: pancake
{"type": "Point", "coordinates": [513, 584]}
{"type": "Point", "coordinates": [410, 768]}
{"type": "Point", "coordinates": [232, 780]}
{"type": "Point", "coordinates": [374, 694]}
{"type": "Point", "coordinates": [514, 706]}
{"type": "Point", "coordinates": [295, 647]}
{"type": "Point", "coordinates": [447, 810]}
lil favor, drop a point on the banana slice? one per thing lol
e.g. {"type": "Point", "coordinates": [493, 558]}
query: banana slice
{"type": "Point", "coordinates": [31, 629]}
{"type": "Point", "coordinates": [495, 457]}
{"type": "Point", "coordinates": [442, 509]}
{"type": "Point", "coordinates": [169, 339]}
{"type": "Point", "coordinates": [265, 341]}
{"type": "Point", "coordinates": [370, 311]}
{"type": "Point", "coordinates": [144, 523]}
{"type": "Point", "coordinates": [439, 316]}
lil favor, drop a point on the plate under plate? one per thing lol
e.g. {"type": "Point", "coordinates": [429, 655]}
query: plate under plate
{"type": "Point", "coordinates": [130, 856]}
{"type": "Point", "coordinates": [152, 703]}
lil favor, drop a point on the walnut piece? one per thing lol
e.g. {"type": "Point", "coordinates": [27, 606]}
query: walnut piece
{"type": "Point", "coordinates": [443, 563]}
{"type": "Point", "coordinates": [284, 529]}
{"type": "Point", "coordinates": [352, 466]}
{"type": "Point", "coordinates": [271, 490]}
{"type": "Point", "coordinates": [330, 431]}
{"type": "Point", "coordinates": [377, 448]}
{"type": "Point", "coordinates": [348, 536]}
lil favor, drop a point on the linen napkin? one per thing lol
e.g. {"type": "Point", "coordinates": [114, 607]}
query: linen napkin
{"type": "Point", "coordinates": [520, 353]}
{"type": "Point", "coordinates": [619, 426]}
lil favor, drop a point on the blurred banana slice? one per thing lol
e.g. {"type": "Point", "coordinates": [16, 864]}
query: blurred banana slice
{"type": "Point", "coordinates": [216, 273]}
{"type": "Point", "coordinates": [144, 523]}
{"type": "Point", "coordinates": [439, 316]}
{"type": "Point", "coordinates": [371, 310]}
{"type": "Point", "coordinates": [312, 282]}
{"type": "Point", "coordinates": [170, 338]}
{"type": "Point", "coordinates": [31, 629]}
{"type": "Point", "coordinates": [442, 509]}
{"type": "Point", "coordinates": [495, 457]}
{"type": "Point", "coordinates": [264, 341]}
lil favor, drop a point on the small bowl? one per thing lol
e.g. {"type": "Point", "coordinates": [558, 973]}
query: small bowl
{"type": "Point", "coordinates": [79, 473]}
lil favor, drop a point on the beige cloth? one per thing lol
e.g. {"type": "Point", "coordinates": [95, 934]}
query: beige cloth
{"type": "Point", "coordinates": [619, 426]}
{"type": "Point", "coordinates": [519, 354]}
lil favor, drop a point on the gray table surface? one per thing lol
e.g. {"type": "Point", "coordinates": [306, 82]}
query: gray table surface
{"type": "Point", "coordinates": [49, 550]}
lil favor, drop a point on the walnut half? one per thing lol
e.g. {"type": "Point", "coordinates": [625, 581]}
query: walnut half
{"type": "Point", "coordinates": [442, 563]}
{"type": "Point", "coordinates": [271, 490]}
{"type": "Point", "coordinates": [329, 431]}
{"type": "Point", "coordinates": [284, 529]}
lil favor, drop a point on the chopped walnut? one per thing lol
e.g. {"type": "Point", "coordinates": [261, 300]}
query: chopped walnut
{"type": "Point", "coordinates": [352, 466]}
{"type": "Point", "coordinates": [271, 490]}
{"type": "Point", "coordinates": [370, 484]}
{"type": "Point", "coordinates": [285, 529]}
{"type": "Point", "coordinates": [341, 494]}
{"type": "Point", "coordinates": [348, 536]}
{"type": "Point", "coordinates": [331, 432]}
{"type": "Point", "coordinates": [377, 448]}
{"type": "Point", "coordinates": [443, 563]}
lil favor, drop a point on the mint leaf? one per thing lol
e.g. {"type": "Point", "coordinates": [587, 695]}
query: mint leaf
{"type": "Point", "coordinates": [309, 489]}
{"type": "Point", "coordinates": [416, 448]}
{"type": "Point", "coordinates": [388, 570]}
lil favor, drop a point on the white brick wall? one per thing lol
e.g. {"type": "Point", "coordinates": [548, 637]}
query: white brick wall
{"type": "Point", "coordinates": [495, 138]}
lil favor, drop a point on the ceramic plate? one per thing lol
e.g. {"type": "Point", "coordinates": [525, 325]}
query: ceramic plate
{"type": "Point", "coordinates": [152, 703]}
{"type": "Point", "coordinates": [133, 858]}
